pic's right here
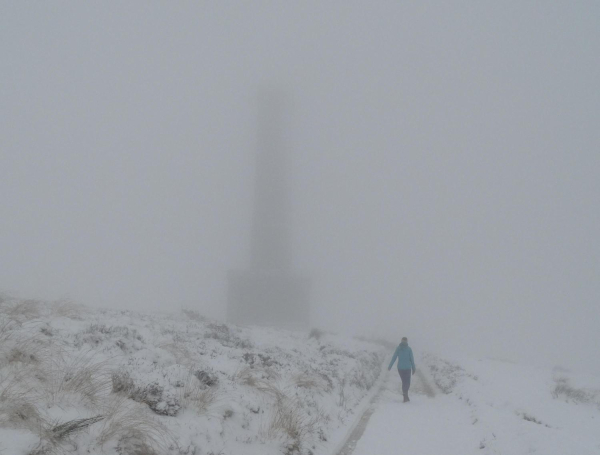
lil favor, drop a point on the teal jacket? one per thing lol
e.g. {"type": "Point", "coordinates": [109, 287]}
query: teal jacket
{"type": "Point", "coordinates": [404, 354]}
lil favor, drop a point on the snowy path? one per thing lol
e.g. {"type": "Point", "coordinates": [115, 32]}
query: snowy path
{"type": "Point", "coordinates": [358, 431]}
{"type": "Point", "coordinates": [421, 386]}
{"type": "Point", "coordinates": [395, 426]}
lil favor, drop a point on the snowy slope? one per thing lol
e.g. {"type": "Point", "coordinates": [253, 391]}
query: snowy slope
{"type": "Point", "coordinates": [79, 381]}
{"type": "Point", "coordinates": [485, 406]}
{"type": "Point", "coordinates": [83, 381]}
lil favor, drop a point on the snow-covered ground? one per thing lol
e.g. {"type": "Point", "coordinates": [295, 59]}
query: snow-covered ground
{"type": "Point", "coordinates": [79, 381]}
{"type": "Point", "coordinates": [82, 381]}
{"type": "Point", "coordinates": [485, 406]}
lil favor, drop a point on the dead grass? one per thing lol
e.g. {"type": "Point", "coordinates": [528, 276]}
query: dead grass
{"type": "Point", "coordinates": [23, 310]}
{"type": "Point", "coordinates": [196, 395]}
{"type": "Point", "coordinates": [125, 420]}
{"type": "Point", "coordinates": [61, 431]}
{"type": "Point", "coordinates": [360, 380]}
{"type": "Point", "coordinates": [193, 315]}
{"type": "Point", "coordinates": [21, 414]}
{"type": "Point", "coordinates": [288, 419]}
{"type": "Point", "coordinates": [309, 381]}
{"type": "Point", "coordinates": [257, 377]}
{"type": "Point", "coordinates": [19, 409]}
{"type": "Point", "coordinates": [577, 395]}
{"type": "Point", "coordinates": [37, 375]}
{"type": "Point", "coordinates": [12, 384]}
{"type": "Point", "coordinates": [529, 418]}
{"type": "Point", "coordinates": [73, 382]}
{"type": "Point", "coordinates": [17, 404]}
{"type": "Point", "coordinates": [81, 375]}
{"type": "Point", "coordinates": [182, 355]}
{"type": "Point", "coordinates": [271, 389]}
{"type": "Point", "coordinates": [28, 349]}
{"type": "Point", "coordinates": [135, 443]}
{"type": "Point", "coordinates": [56, 437]}
{"type": "Point", "coordinates": [8, 328]}
{"type": "Point", "coordinates": [226, 336]}
{"type": "Point", "coordinates": [445, 375]}
{"type": "Point", "coordinates": [342, 400]}
{"type": "Point", "coordinates": [68, 309]}
{"type": "Point", "coordinates": [152, 394]}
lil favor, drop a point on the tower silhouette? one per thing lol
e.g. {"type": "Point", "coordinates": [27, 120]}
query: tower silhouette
{"type": "Point", "coordinates": [268, 292]}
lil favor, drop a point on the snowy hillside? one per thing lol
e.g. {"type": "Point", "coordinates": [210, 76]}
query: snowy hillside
{"type": "Point", "coordinates": [82, 381]}
{"type": "Point", "coordinates": [79, 381]}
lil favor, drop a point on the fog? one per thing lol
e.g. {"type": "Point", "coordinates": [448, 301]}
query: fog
{"type": "Point", "coordinates": [444, 162]}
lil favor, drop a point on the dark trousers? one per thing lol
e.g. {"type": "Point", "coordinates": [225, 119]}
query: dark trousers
{"type": "Point", "coordinates": [405, 376]}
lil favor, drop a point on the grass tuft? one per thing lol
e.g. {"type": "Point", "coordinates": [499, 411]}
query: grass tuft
{"type": "Point", "coordinates": [577, 395]}
{"type": "Point", "coordinates": [80, 375]}
{"type": "Point", "coordinates": [193, 315]}
{"type": "Point", "coordinates": [195, 395]}
{"type": "Point", "coordinates": [126, 420]}
{"type": "Point", "coordinates": [288, 419]}
{"type": "Point", "coordinates": [67, 309]}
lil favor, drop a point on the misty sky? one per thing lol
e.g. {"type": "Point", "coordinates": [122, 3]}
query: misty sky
{"type": "Point", "coordinates": [445, 161]}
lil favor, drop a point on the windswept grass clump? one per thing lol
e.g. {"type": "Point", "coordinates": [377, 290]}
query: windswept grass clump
{"type": "Point", "coordinates": [308, 381]}
{"type": "Point", "coordinates": [257, 377]}
{"type": "Point", "coordinates": [109, 336]}
{"type": "Point", "coordinates": [196, 395]}
{"type": "Point", "coordinates": [445, 374]}
{"type": "Point", "coordinates": [8, 328]}
{"type": "Point", "coordinates": [129, 424]}
{"type": "Point", "coordinates": [75, 378]}
{"type": "Point", "coordinates": [68, 309]}
{"type": "Point", "coordinates": [177, 349]}
{"type": "Point", "coordinates": [17, 410]}
{"type": "Point", "coordinates": [63, 430]}
{"type": "Point", "coordinates": [23, 310]}
{"type": "Point", "coordinates": [152, 394]}
{"type": "Point", "coordinates": [57, 437]}
{"type": "Point", "coordinates": [290, 421]}
{"type": "Point", "coordinates": [23, 406]}
{"type": "Point", "coordinates": [226, 336]}
{"type": "Point", "coordinates": [529, 418]}
{"type": "Point", "coordinates": [26, 351]}
{"type": "Point", "coordinates": [193, 315]}
{"type": "Point", "coordinates": [291, 418]}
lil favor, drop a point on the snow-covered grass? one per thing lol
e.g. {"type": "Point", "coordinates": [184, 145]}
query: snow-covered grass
{"type": "Point", "coordinates": [564, 390]}
{"type": "Point", "coordinates": [83, 381]}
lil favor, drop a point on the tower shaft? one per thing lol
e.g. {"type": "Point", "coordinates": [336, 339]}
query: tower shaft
{"type": "Point", "coordinates": [268, 292]}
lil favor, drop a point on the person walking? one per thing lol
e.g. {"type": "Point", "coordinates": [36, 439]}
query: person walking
{"type": "Point", "coordinates": [406, 363]}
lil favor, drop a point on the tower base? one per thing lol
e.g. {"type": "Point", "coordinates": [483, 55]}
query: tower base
{"type": "Point", "coordinates": [270, 298]}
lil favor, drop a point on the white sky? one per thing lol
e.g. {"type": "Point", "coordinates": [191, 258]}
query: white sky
{"type": "Point", "coordinates": [446, 161]}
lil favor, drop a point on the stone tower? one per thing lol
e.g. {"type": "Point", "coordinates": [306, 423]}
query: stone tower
{"type": "Point", "coordinates": [268, 292]}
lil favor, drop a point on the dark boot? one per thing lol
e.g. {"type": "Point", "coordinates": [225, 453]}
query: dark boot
{"type": "Point", "coordinates": [406, 398]}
